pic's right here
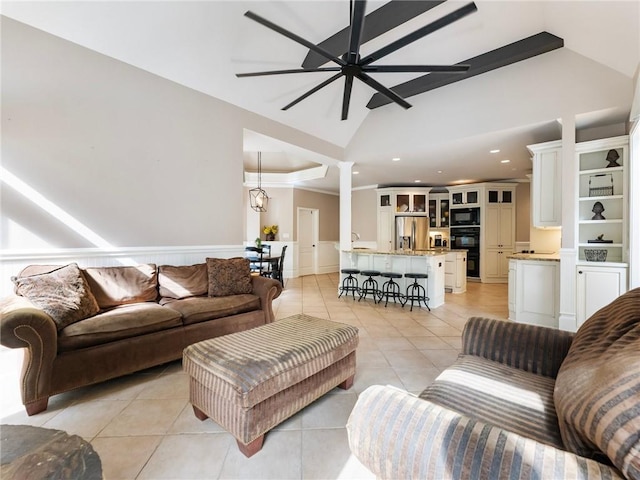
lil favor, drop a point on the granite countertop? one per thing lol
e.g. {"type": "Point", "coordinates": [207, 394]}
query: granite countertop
{"type": "Point", "coordinates": [411, 253]}
{"type": "Point", "coordinates": [545, 257]}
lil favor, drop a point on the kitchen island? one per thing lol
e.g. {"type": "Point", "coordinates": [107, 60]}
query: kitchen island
{"type": "Point", "coordinates": [534, 288]}
{"type": "Point", "coordinates": [431, 262]}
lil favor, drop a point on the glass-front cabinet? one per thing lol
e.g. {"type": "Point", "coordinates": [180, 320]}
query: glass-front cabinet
{"type": "Point", "coordinates": [411, 202]}
{"type": "Point", "coordinates": [439, 210]}
{"type": "Point", "coordinates": [464, 196]}
{"type": "Point", "coordinates": [495, 195]}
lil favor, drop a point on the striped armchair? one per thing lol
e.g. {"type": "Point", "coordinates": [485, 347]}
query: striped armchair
{"type": "Point", "coordinates": [520, 402]}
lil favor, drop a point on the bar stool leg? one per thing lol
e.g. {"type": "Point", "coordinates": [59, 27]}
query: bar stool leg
{"type": "Point", "coordinates": [349, 284]}
{"type": "Point", "coordinates": [391, 289]}
{"type": "Point", "coordinates": [416, 292]}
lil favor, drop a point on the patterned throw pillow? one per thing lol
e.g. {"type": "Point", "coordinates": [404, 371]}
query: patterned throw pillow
{"type": "Point", "coordinates": [597, 391]}
{"type": "Point", "coordinates": [62, 293]}
{"type": "Point", "coordinates": [229, 276]}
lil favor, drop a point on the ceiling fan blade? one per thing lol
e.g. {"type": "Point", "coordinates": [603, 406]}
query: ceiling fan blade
{"type": "Point", "coordinates": [294, 37]}
{"type": "Point", "coordinates": [421, 32]}
{"type": "Point", "coordinates": [313, 90]}
{"type": "Point", "coordinates": [461, 68]}
{"type": "Point", "coordinates": [355, 34]}
{"type": "Point", "coordinates": [390, 94]}
{"type": "Point", "coordinates": [381, 20]}
{"type": "Point", "coordinates": [294, 70]}
{"type": "Point", "coordinates": [346, 97]}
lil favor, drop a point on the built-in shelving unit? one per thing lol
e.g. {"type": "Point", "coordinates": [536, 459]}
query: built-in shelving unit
{"type": "Point", "coordinates": [602, 223]}
{"type": "Point", "coordinates": [602, 200]}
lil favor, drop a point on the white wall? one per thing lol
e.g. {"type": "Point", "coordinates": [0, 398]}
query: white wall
{"type": "Point", "coordinates": [116, 156]}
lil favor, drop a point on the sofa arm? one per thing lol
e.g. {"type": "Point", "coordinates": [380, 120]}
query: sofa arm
{"type": "Point", "coordinates": [22, 325]}
{"type": "Point", "coordinates": [397, 435]}
{"type": "Point", "coordinates": [532, 348]}
{"type": "Point", "coordinates": [267, 289]}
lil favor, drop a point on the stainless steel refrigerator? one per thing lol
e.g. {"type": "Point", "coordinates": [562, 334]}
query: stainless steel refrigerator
{"type": "Point", "coordinates": [412, 233]}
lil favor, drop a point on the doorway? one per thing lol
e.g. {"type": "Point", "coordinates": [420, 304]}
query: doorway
{"type": "Point", "coordinates": [308, 226]}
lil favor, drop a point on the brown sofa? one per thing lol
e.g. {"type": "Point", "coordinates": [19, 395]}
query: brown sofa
{"type": "Point", "coordinates": [124, 319]}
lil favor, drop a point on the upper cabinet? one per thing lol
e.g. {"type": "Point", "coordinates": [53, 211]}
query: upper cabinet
{"type": "Point", "coordinates": [439, 210]}
{"type": "Point", "coordinates": [603, 200]}
{"type": "Point", "coordinates": [468, 196]}
{"type": "Point", "coordinates": [397, 201]}
{"type": "Point", "coordinates": [405, 200]}
{"type": "Point", "coordinates": [546, 184]}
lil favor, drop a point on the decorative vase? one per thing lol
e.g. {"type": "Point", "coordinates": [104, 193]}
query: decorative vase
{"type": "Point", "coordinates": [271, 237]}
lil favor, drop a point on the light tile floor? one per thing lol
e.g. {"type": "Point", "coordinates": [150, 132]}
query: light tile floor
{"type": "Point", "coordinates": [143, 427]}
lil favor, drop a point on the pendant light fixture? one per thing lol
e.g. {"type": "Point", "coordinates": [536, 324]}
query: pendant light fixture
{"type": "Point", "coordinates": [257, 196]}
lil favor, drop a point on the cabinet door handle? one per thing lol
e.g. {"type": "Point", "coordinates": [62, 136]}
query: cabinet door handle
{"type": "Point", "coordinates": [580, 272]}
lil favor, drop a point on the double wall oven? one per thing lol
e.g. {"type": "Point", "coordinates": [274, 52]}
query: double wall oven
{"type": "Point", "coordinates": [468, 238]}
{"type": "Point", "coordinates": [465, 234]}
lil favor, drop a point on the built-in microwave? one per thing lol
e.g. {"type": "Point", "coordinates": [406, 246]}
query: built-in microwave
{"type": "Point", "coordinates": [464, 216]}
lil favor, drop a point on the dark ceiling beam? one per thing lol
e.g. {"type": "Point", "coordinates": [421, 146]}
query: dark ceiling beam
{"type": "Point", "coordinates": [380, 21]}
{"type": "Point", "coordinates": [501, 57]}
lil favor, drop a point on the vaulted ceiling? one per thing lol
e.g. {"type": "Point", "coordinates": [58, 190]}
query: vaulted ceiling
{"type": "Point", "coordinates": [449, 129]}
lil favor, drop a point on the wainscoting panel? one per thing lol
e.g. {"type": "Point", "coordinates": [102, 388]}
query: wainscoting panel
{"type": "Point", "coordinates": [12, 263]}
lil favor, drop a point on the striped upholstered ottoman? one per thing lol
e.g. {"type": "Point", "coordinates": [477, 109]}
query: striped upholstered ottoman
{"type": "Point", "coordinates": [249, 382]}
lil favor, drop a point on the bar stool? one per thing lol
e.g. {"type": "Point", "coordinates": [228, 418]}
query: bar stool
{"type": "Point", "coordinates": [415, 291]}
{"type": "Point", "coordinates": [349, 283]}
{"type": "Point", "coordinates": [390, 288]}
{"type": "Point", "coordinates": [370, 286]}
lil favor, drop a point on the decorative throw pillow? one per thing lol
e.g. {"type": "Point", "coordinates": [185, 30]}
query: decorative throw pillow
{"type": "Point", "coordinates": [62, 293]}
{"type": "Point", "coordinates": [597, 391]}
{"type": "Point", "coordinates": [229, 276]}
{"type": "Point", "coordinates": [183, 281]}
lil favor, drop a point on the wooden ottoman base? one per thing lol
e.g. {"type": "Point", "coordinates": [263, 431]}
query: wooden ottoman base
{"type": "Point", "coordinates": [233, 408]}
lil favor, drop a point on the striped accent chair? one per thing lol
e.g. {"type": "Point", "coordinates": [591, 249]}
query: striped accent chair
{"type": "Point", "coordinates": [521, 401]}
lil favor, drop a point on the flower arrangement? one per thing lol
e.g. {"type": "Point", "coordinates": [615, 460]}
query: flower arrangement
{"type": "Point", "coordinates": [270, 231]}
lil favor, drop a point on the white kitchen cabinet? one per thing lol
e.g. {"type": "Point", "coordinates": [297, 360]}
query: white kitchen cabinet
{"type": "Point", "coordinates": [439, 210]}
{"type": "Point", "coordinates": [464, 196]}
{"type": "Point", "coordinates": [496, 265]}
{"type": "Point", "coordinates": [386, 226]}
{"type": "Point", "coordinates": [497, 232]}
{"type": "Point", "coordinates": [546, 184]}
{"type": "Point", "coordinates": [534, 292]}
{"type": "Point", "coordinates": [596, 287]}
{"type": "Point", "coordinates": [455, 271]}
{"type": "Point", "coordinates": [499, 226]}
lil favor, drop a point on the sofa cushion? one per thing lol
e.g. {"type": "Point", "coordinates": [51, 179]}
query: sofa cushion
{"type": "Point", "coordinates": [62, 293]}
{"type": "Point", "coordinates": [124, 321]}
{"type": "Point", "coordinates": [597, 393]}
{"type": "Point", "coordinates": [229, 276]}
{"type": "Point", "coordinates": [183, 281]}
{"type": "Point", "coordinates": [201, 309]}
{"type": "Point", "coordinates": [113, 286]}
{"type": "Point", "coordinates": [494, 393]}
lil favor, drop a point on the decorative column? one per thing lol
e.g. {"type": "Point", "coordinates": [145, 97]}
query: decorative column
{"type": "Point", "coordinates": [568, 254]}
{"type": "Point", "coordinates": [345, 206]}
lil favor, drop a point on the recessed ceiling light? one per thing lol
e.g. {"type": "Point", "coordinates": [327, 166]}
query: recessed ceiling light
{"type": "Point", "coordinates": [497, 150]}
{"type": "Point", "coordinates": [395, 159]}
{"type": "Point", "coordinates": [439, 171]}
{"type": "Point", "coordinates": [356, 173]}
{"type": "Point", "coordinates": [505, 161]}
{"type": "Point", "coordinates": [417, 181]}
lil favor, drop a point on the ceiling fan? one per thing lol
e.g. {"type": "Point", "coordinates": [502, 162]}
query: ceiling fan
{"type": "Point", "coordinates": [351, 65]}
